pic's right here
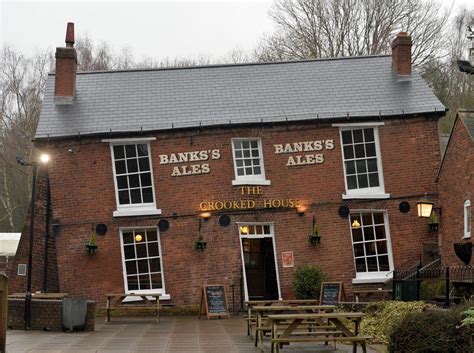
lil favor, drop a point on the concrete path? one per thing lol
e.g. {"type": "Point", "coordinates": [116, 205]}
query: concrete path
{"type": "Point", "coordinates": [171, 335]}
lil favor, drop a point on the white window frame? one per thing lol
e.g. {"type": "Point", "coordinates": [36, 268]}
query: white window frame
{"type": "Point", "coordinates": [370, 192]}
{"type": "Point", "coordinates": [21, 270]}
{"type": "Point", "coordinates": [467, 219]}
{"type": "Point", "coordinates": [249, 179]}
{"type": "Point", "coordinates": [162, 291]}
{"type": "Point", "coordinates": [133, 209]}
{"type": "Point", "coordinates": [261, 236]}
{"type": "Point", "coordinates": [374, 277]}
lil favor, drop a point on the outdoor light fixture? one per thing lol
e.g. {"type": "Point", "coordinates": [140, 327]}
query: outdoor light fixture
{"type": "Point", "coordinates": [355, 224]}
{"type": "Point", "coordinates": [301, 210]}
{"type": "Point", "coordinates": [138, 238]}
{"type": "Point", "coordinates": [205, 215]}
{"type": "Point", "coordinates": [23, 162]}
{"type": "Point", "coordinates": [244, 229]}
{"type": "Point", "coordinates": [424, 207]}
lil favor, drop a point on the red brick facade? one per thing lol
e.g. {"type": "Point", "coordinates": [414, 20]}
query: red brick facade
{"type": "Point", "coordinates": [456, 185]}
{"type": "Point", "coordinates": [83, 195]}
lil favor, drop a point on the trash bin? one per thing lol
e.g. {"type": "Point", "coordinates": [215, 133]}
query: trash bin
{"type": "Point", "coordinates": [74, 314]}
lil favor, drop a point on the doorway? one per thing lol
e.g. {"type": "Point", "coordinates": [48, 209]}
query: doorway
{"type": "Point", "coordinates": [259, 262]}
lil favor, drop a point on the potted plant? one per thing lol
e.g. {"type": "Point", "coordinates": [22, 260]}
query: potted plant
{"type": "Point", "coordinates": [91, 245]}
{"type": "Point", "coordinates": [200, 244]}
{"type": "Point", "coordinates": [433, 222]}
{"type": "Point", "coordinates": [315, 238]}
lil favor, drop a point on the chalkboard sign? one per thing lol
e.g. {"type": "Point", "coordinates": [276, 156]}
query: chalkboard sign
{"type": "Point", "coordinates": [213, 302]}
{"type": "Point", "coordinates": [331, 293]}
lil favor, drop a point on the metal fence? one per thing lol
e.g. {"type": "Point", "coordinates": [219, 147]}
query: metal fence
{"type": "Point", "coordinates": [435, 283]}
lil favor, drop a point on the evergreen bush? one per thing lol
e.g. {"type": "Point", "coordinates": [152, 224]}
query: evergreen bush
{"type": "Point", "coordinates": [307, 281]}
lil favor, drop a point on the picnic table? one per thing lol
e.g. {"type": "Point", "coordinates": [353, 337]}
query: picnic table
{"type": "Point", "coordinates": [39, 295]}
{"type": "Point", "coordinates": [252, 318]}
{"type": "Point", "coordinates": [369, 292]}
{"type": "Point", "coordinates": [115, 303]}
{"type": "Point", "coordinates": [292, 328]}
{"type": "Point", "coordinates": [262, 313]}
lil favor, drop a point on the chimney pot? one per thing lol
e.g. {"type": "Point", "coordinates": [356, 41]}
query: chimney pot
{"type": "Point", "coordinates": [70, 35]}
{"type": "Point", "coordinates": [401, 54]}
{"type": "Point", "coordinates": [66, 68]}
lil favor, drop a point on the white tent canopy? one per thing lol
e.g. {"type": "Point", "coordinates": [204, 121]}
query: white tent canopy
{"type": "Point", "coordinates": [9, 243]}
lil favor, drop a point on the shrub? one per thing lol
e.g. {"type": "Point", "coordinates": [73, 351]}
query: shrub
{"type": "Point", "coordinates": [307, 281]}
{"type": "Point", "coordinates": [432, 331]}
{"type": "Point", "coordinates": [383, 317]}
{"type": "Point", "coordinates": [468, 317]}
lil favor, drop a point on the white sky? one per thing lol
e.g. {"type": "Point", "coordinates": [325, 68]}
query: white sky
{"type": "Point", "coordinates": [156, 29]}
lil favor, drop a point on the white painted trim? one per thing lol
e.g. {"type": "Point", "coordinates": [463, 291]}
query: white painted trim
{"type": "Point", "coordinates": [373, 196]}
{"type": "Point", "coordinates": [23, 271]}
{"type": "Point", "coordinates": [251, 182]}
{"type": "Point", "coordinates": [129, 140]}
{"type": "Point", "coordinates": [467, 205]}
{"type": "Point", "coordinates": [374, 277]}
{"type": "Point", "coordinates": [249, 179]}
{"type": "Point", "coordinates": [134, 209]}
{"type": "Point", "coordinates": [162, 291]}
{"type": "Point", "coordinates": [365, 193]}
{"type": "Point", "coordinates": [272, 235]}
{"type": "Point", "coordinates": [368, 124]}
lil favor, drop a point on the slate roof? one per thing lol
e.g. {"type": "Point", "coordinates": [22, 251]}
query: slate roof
{"type": "Point", "coordinates": [468, 119]}
{"type": "Point", "coordinates": [160, 99]}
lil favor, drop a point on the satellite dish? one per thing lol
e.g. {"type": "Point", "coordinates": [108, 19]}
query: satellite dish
{"type": "Point", "coordinates": [101, 229]}
{"type": "Point", "coordinates": [224, 220]}
{"type": "Point", "coordinates": [163, 225]}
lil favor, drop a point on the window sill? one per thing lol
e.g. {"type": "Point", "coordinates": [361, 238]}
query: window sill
{"type": "Point", "coordinates": [375, 279]}
{"type": "Point", "coordinates": [467, 236]}
{"type": "Point", "coordinates": [136, 212]}
{"type": "Point", "coordinates": [365, 196]}
{"type": "Point", "coordinates": [251, 182]}
{"type": "Point", "coordinates": [135, 297]}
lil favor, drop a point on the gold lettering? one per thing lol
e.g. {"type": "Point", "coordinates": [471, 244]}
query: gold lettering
{"type": "Point", "coordinates": [227, 205]}
{"type": "Point", "coordinates": [219, 205]}
{"type": "Point", "coordinates": [267, 203]}
{"type": "Point", "coordinates": [202, 206]}
{"type": "Point", "coordinates": [251, 204]}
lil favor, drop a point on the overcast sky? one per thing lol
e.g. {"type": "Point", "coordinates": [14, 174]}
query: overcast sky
{"type": "Point", "coordinates": [156, 29]}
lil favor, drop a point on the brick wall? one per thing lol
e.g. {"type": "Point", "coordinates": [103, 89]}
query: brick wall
{"type": "Point", "coordinates": [83, 195]}
{"type": "Point", "coordinates": [46, 315]}
{"type": "Point", "coordinates": [456, 185]}
{"type": "Point", "coordinates": [19, 283]}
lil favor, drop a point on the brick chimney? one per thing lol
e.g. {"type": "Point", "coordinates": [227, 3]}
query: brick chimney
{"type": "Point", "coordinates": [66, 67]}
{"type": "Point", "coordinates": [401, 54]}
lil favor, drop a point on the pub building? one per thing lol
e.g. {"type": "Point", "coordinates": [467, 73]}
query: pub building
{"type": "Point", "coordinates": [222, 174]}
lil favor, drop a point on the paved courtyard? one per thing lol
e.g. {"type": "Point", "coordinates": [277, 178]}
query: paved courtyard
{"type": "Point", "coordinates": [173, 334]}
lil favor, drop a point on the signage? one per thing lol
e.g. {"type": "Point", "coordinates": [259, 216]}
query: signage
{"type": "Point", "coordinates": [305, 146]}
{"type": "Point", "coordinates": [287, 259]}
{"type": "Point", "coordinates": [331, 293]}
{"type": "Point", "coordinates": [213, 302]}
{"type": "Point", "coordinates": [188, 157]}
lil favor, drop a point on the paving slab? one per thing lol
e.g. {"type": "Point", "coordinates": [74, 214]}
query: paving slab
{"type": "Point", "coordinates": [174, 334]}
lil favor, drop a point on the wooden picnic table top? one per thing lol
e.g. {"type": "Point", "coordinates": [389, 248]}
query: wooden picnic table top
{"type": "Point", "coordinates": [293, 307]}
{"type": "Point", "coordinates": [372, 291]}
{"type": "Point", "coordinates": [109, 295]}
{"type": "Point", "coordinates": [283, 301]}
{"type": "Point", "coordinates": [343, 315]}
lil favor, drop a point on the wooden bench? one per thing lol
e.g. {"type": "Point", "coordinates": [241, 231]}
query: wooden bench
{"type": "Point", "coordinates": [369, 292]}
{"type": "Point", "coordinates": [293, 328]}
{"type": "Point", "coordinates": [251, 317]}
{"type": "Point", "coordinates": [115, 303]}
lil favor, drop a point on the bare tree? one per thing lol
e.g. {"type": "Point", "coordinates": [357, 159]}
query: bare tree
{"type": "Point", "coordinates": [335, 28]}
{"type": "Point", "coordinates": [22, 82]}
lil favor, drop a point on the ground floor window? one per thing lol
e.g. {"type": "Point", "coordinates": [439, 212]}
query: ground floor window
{"type": "Point", "coordinates": [371, 245]}
{"type": "Point", "coordinates": [141, 257]}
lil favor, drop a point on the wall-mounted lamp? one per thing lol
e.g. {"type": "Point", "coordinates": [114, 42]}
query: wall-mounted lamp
{"type": "Point", "coordinates": [424, 207]}
{"type": "Point", "coordinates": [205, 215]}
{"type": "Point", "coordinates": [301, 210]}
{"type": "Point", "coordinates": [138, 238]}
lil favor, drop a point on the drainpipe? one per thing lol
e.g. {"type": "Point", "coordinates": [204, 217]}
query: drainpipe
{"type": "Point", "coordinates": [46, 236]}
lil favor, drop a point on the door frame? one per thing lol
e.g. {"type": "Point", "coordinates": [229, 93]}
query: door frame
{"type": "Point", "coordinates": [271, 235]}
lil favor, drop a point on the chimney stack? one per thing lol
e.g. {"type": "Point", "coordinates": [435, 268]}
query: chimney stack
{"type": "Point", "coordinates": [401, 54]}
{"type": "Point", "coordinates": [66, 67]}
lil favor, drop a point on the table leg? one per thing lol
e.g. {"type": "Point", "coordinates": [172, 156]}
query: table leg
{"type": "Point", "coordinates": [249, 318]}
{"type": "Point", "coordinates": [157, 310]}
{"type": "Point", "coordinates": [107, 319]}
{"type": "Point", "coordinates": [356, 333]}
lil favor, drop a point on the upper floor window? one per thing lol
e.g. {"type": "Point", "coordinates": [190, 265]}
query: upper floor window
{"type": "Point", "coordinates": [248, 162]}
{"type": "Point", "coordinates": [371, 246]}
{"type": "Point", "coordinates": [467, 219]}
{"type": "Point", "coordinates": [362, 163]}
{"type": "Point", "coordinates": [133, 178]}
